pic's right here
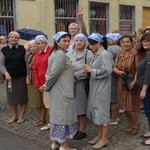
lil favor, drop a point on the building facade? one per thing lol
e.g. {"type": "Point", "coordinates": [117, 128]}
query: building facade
{"type": "Point", "coordinates": [51, 16]}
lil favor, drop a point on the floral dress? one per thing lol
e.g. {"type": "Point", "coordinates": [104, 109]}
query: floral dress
{"type": "Point", "coordinates": [127, 62]}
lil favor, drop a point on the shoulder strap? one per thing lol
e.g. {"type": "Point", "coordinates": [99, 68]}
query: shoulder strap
{"type": "Point", "coordinates": [86, 57]}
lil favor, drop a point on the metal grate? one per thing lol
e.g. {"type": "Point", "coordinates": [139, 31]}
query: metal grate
{"type": "Point", "coordinates": [65, 13]}
{"type": "Point", "coordinates": [127, 21]}
{"type": "Point", "coordinates": [6, 16]}
{"type": "Point", "coordinates": [99, 17]}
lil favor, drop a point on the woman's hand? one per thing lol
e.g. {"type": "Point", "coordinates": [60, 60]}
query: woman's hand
{"type": "Point", "coordinates": [87, 68]}
{"type": "Point", "coordinates": [80, 13]}
{"type": "Point", "coordinates": [121, 73]}
{"type": "Point", "coordinates": [41, 88]}
{"type": "Point", "coordinates": [7, 76]}
{"type": "Point", "coordinates": [132, 84]}
{"type": "Point", "coordinates": [143, 94]}
{"type": "Point", "coordinates": [27, 80]}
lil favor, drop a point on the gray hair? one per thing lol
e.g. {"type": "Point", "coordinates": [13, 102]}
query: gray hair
{"type": "Point", "coordinates": [73, 24]}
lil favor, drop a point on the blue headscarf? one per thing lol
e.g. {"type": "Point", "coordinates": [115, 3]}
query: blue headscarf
{"type": "Point", "coordinates": [80, 36]}
{"type": "Point", "coordinates": [96, 37]}
{"type": "Point", "coordinates": [113, 36]}
{"type": "Point", "coordinates": [58, 35]}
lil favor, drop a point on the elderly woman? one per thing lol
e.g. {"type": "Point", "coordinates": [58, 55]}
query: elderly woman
{"type": "Point", "coordinates": [113, 50]}
{"type": "Point", "coordinates": [143, 80]}
{"type": "Point", "coordinates": [100, 89]}
{"type": "Point", "coordinates": [40, 68]}
{"type": "Point", "coordinates": [60, 83]}
{"type": "Point", "coordinates": [35, 95]}
{"type": "Point", "coordinates": [13, 66]}
{"type": "Point", "coordinates": [80, 56]}
{"type": "Point", "coordinates": [125, 68]}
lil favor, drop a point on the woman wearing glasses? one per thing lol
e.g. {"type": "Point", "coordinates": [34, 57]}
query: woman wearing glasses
{"type": "Point", "coordinates": [143, 80]}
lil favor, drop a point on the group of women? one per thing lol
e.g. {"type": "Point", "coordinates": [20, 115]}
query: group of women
{"type": "Point", "coordinates": [78, 83]}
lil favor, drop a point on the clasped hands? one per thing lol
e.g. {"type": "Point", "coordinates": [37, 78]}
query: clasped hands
{"type": "Point", "coordinates": [87, 68]}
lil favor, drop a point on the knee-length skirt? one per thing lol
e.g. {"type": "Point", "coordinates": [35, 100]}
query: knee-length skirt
{"type": "Point", "coordinates": [18, 95]}
{"type": "Point", "coordinates": [35, 96]}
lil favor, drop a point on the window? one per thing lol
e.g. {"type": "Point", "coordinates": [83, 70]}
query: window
{"type": "Point", "coordinates": [99, 17]}
{"type": "Point", "coordinates": [127, 21]}
{"type": "Point", "coordinates": [65, 13]}
{"type": "Point", "coordinates": [6, 17]}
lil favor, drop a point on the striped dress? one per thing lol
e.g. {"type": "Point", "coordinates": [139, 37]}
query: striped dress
{"type": "Point", "coordinates": [127, 62]}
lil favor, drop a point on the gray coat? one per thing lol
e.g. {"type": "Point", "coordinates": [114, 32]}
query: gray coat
{"type": "Point", "coordinates": [78, 62]}
{"type": "Point", "coordinates": [60, 83]}
{"type": "Point", "coordinates": [100, 88]}
{"type": "Point", "coordinates": [113, 50]}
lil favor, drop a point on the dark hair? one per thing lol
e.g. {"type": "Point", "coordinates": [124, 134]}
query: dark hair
{"type": "Point", "coordinates": [55, 46]}
{"type": "Point", "coordinates": [126, 36]}
{"type": "Point", "coordinates": [92, 41]}
{"type": "Point", "coordinates": [146, 36]}
{"type": "Point", "coordinates": [105, 43]}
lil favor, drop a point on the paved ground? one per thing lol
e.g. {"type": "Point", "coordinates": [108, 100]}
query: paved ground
{"type": "Point", "coordinates": [10, 141]}
{"type": "Point", "coordinates": [118, 139]}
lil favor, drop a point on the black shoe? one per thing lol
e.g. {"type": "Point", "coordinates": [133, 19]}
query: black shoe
{"type": "Point", "coordinates": [142, 110]}
{"type": "Point", "coordinates": [79, 135]}
{"type": "Point", "coordinates": [143, 136]}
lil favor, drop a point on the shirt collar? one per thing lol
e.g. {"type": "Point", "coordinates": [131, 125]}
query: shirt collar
{"type": "Point", "coordinates": [12, 45]}
{"type": "Point", "coordinates": [45, 50]}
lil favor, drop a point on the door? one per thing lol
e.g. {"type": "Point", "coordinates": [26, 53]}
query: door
{"type": "Point", "coordinates": [146, 17]}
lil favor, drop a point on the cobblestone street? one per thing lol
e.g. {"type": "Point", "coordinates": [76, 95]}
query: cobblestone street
{"type": "Point", "coordinates": [118, 139]}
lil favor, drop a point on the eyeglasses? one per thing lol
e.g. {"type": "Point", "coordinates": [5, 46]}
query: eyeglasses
{"type": "Point", "coordinates": [146, 41]}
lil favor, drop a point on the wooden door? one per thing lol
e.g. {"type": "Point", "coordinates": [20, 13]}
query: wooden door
{"type": "Point", "coordinates": [146, 17]}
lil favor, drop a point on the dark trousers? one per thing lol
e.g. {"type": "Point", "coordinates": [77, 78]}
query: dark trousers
{"type": "Point", "coordinates": [146, 103]}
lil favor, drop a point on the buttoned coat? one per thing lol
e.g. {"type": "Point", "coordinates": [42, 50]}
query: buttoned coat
{"type": "Point", "coordinates": [60, 83]}
{"type": "Point", "coordinates": [78, 62]}
{"type": "Point", "coordinates": [100, 88]}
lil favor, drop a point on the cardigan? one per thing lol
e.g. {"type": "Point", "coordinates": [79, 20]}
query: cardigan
{"type": "Point", "coordinates": [13, 60]}
{"type": "Point", "coordinates": [143, 71]}
{"type": "Point", "coordinates": [40, 66]}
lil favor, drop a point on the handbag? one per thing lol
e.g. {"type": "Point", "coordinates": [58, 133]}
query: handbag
{"type": "Point", "coordinates": [127, 81]}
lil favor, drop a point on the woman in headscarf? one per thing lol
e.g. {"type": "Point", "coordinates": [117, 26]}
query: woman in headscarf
{"type": "Point", "coordinates": [13, 66]}
{"type": "Point", "coordinates": [100, 89]}
{"type": "Point", "coordinates": [60, 83]}
{"type": "Point", "coordinates": [80, 56]}
{"type": "Point", "coordinates": [40, 68]}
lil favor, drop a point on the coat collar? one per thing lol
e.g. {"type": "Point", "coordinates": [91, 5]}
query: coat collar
{"type": "Point", "coordinates": [99, 51]}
